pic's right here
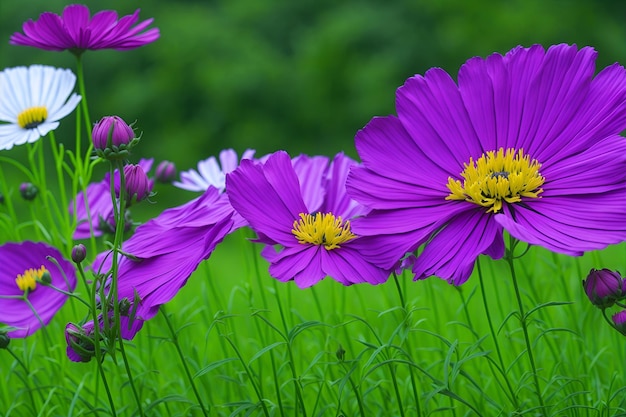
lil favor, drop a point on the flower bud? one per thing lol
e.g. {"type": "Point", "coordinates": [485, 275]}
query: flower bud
{"type": "Point", "coordinates": [80, 342]}
{"type": "Point", "coordinates": [28, 191]}
{"type": "Point", "coordinates": [79, 252]}
{"type": "Point", "coordinates": [604, 287]}
{"type": "Point", "coordinates": [113, 138]}
{"type": "Point", "coordinates": [619, 321]}
{"type": "Point", "coordinates": [1, 198]}
{"type": "Point", "coordinates": [138, 185]}
{"type": "Point", "coordinates": [165, 172]}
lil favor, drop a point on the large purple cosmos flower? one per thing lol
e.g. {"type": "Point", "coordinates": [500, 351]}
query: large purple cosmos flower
{"type": "Point", "coordinates": [166, 250]}
{"type": "Point", "coordinates": [527, 142]}
{"type": "Point", "coordinates": [315, 239]}
{"type": "Point", "coordinates": [76, 31]}
{"type": "Point", "coordinates": [27, 302]}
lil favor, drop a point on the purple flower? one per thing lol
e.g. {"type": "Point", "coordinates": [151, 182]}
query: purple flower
{"type": "Point", "coordinates": [210, 173]}
{"type": "Point", "coordinates": [111, 131]}
{"type": "Point", "coordinates": [527, 142]}
{"type": "Point", "coordinates": [167, 250]}
{"type": "Point", "coordinates": [138, 185]}
{"type": "Point", "coordinates": [165, 172]}
{"type": "Point", "coordinates": [604, 287]}
{"type": "Point", "coordinates": [619, 321]}
{"type": "Point", "coordinates": [76, 31]}
{"type": "Point", "coordinates": [27, 277]}
{"type": "Point", "coordinates": [100, 204]}
{"type": "Point", "coordinates": [315, 241]}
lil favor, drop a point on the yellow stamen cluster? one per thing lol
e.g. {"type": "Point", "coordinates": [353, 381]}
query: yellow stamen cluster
{"type": "Point", "coordinates": [322, 229]}
{"type": "Point", "coordinates": [32, 117]}
{"type": "Point", "coordinates": [27, 281]}
{"type": "Point", "coordinates": [498, 177]}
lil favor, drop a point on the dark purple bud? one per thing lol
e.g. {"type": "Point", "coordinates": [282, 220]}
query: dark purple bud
{"type": "Point", "coordinates": [113, 138]}
{"type": "Point", "coordinates": [79, 252]}
{"type": "Point", "coordinates": [138, 185]}
{"type": "Point", "coordinates": [619, 321]}
{"type": "Point", "coordinates": [165, 172]}
{"type": "Point", "coordinates": [604, 287]}
{"type": "Point", "coordinates": [80, 342]}
{"type": "Point", "coordinates": [28, 191]}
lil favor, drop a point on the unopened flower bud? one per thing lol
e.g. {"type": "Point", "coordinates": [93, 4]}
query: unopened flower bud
{"type": "Point", "coordinates": [124, 307]}
{"type": "Point", "coordinates": [619, 321]}
{"type": "Point", "coordinates": [113, 138]}
{"type": "Point", "coordinates": [79, 252]}
{"type": "Point", "coordinates": [341, 353]}
{"type": "Point", "coordinates": [1, 198]}
{"type": "Point", "coordinates": [138, 185]}
{"type": "Point", "coordinates": [80, 342]}
{"type": "Point", "coordinates": [604, 287]}
{"type": "Point", "coordinates": [28, 191]}
{"type": "Point", "coordinates": [45, 279]}
{"type": "Point", "coordinates": [165, 172]}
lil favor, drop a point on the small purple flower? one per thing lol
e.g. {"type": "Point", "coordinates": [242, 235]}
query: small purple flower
{"type": "Point", "coordinates": [28, 298]}
{"type": "Point", "coordinates": [209, 173]}
{"type": "Point", "coordinates": [138, 185]}
{"type": "Point", "coordinates": [315, 242]}
{"type": "Point", "coordinates": [28, 191]}
{"type": "Point", "coordinates": [98, 199]}
{"type": "Point", "coordinates": [604, 287]}
{"type": "Point", "coordinates": [76, 31]}
{"type": "Point", "coordinates": [165, 172]}
{"type": "Point", "coordinates": [619, 321]}
{"type": "Point", "coordinates": [527, 142]}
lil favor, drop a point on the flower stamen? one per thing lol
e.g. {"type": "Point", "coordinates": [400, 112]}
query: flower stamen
{"type": "Point", "coordinates": [27, 281]}
{"type": "Point", "coordinates": [32, 117]}
{"type": "Point", "coordinates": [498, 177]}
{"type": "Point", "coordinates": [322, 229]}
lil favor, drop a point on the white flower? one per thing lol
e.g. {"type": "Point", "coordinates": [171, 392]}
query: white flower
{"type": "Point", "coordinates": [209, 172]}
{"type": "Point", "coordinates": [32, 101]}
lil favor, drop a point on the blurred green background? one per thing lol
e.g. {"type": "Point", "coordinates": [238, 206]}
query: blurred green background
{"type": "Point", "coordinates": [302, 76]}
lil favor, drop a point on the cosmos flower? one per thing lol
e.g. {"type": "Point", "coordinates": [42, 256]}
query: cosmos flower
{"type": "Point", "coordinates": [210, 173]}
{"type": "Point", "coordinates": [315, 242]}
{"type": "Point", "coordinates": [526, 143]}
{"type": "Point", "coordinates": [28, 300]}
{"type": "Point", "coordinates": [100, 205]}
{"type": "Point", "coordinates": [166, 250]}
{"type": "Point", "coordinates": [32, 101]}
{"type": "Point", "coordinates": [77, 31]}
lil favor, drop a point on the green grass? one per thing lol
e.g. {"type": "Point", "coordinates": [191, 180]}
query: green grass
{"type": "Point", "coordinates": [258, 347]}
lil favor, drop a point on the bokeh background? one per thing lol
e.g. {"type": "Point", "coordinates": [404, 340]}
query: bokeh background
{"type": "Point", "coordinates": [302, 75]}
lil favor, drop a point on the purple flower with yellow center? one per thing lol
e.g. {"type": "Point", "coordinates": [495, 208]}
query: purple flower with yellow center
{"type": "Point", "coordinates": [31, 285]}
{"type": "Point", "coordinates": [77, 31]}
{"type": "Point", "coordinates": [526, 143]}
{"type": "Point", "coordinates": [315, 241]}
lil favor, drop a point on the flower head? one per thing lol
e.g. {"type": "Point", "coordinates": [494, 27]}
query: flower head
{"type": "Point", "coordinates": [604, 287]}
{"type": "Point", "coordinates": [113, 138]}
{"type": "Point", "coordinates": [315, 241]}
{"type": "Point", "coordinates": [28, 285]}
{"type": "Point", "coordinates": [77, 31]}
{"type": "Point", "coordinates": [209, 173]}
{"type": "Point", "coordinates": [526, 143]}
{"type": "Point", "coordinates": [32, 101]}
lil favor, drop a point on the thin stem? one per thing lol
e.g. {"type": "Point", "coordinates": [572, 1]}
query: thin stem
{"type": "Point", "coordinates": [494, 336]}
{"type": "Point", "coordinates": [182, 359]}
{"type": "Point", "coordinates": [522, 317]}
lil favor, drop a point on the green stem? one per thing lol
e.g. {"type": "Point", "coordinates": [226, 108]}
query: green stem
{"type": "Point", "coordinates": [522, 316]}
{"type": "Point", "coordinates": [494, 337]}
{"type": "Point", "coordinates": [182, 360]}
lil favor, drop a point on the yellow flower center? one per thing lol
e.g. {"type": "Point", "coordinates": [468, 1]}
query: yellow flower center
{"type": "Point", "coordinates": [27, 281]}
{"type": "Point", "coordinates": [322, 229]}
{"type": "Point", "coordinates": [32, 117]}
{"type": "Point", "coordinates": [498, 177]}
